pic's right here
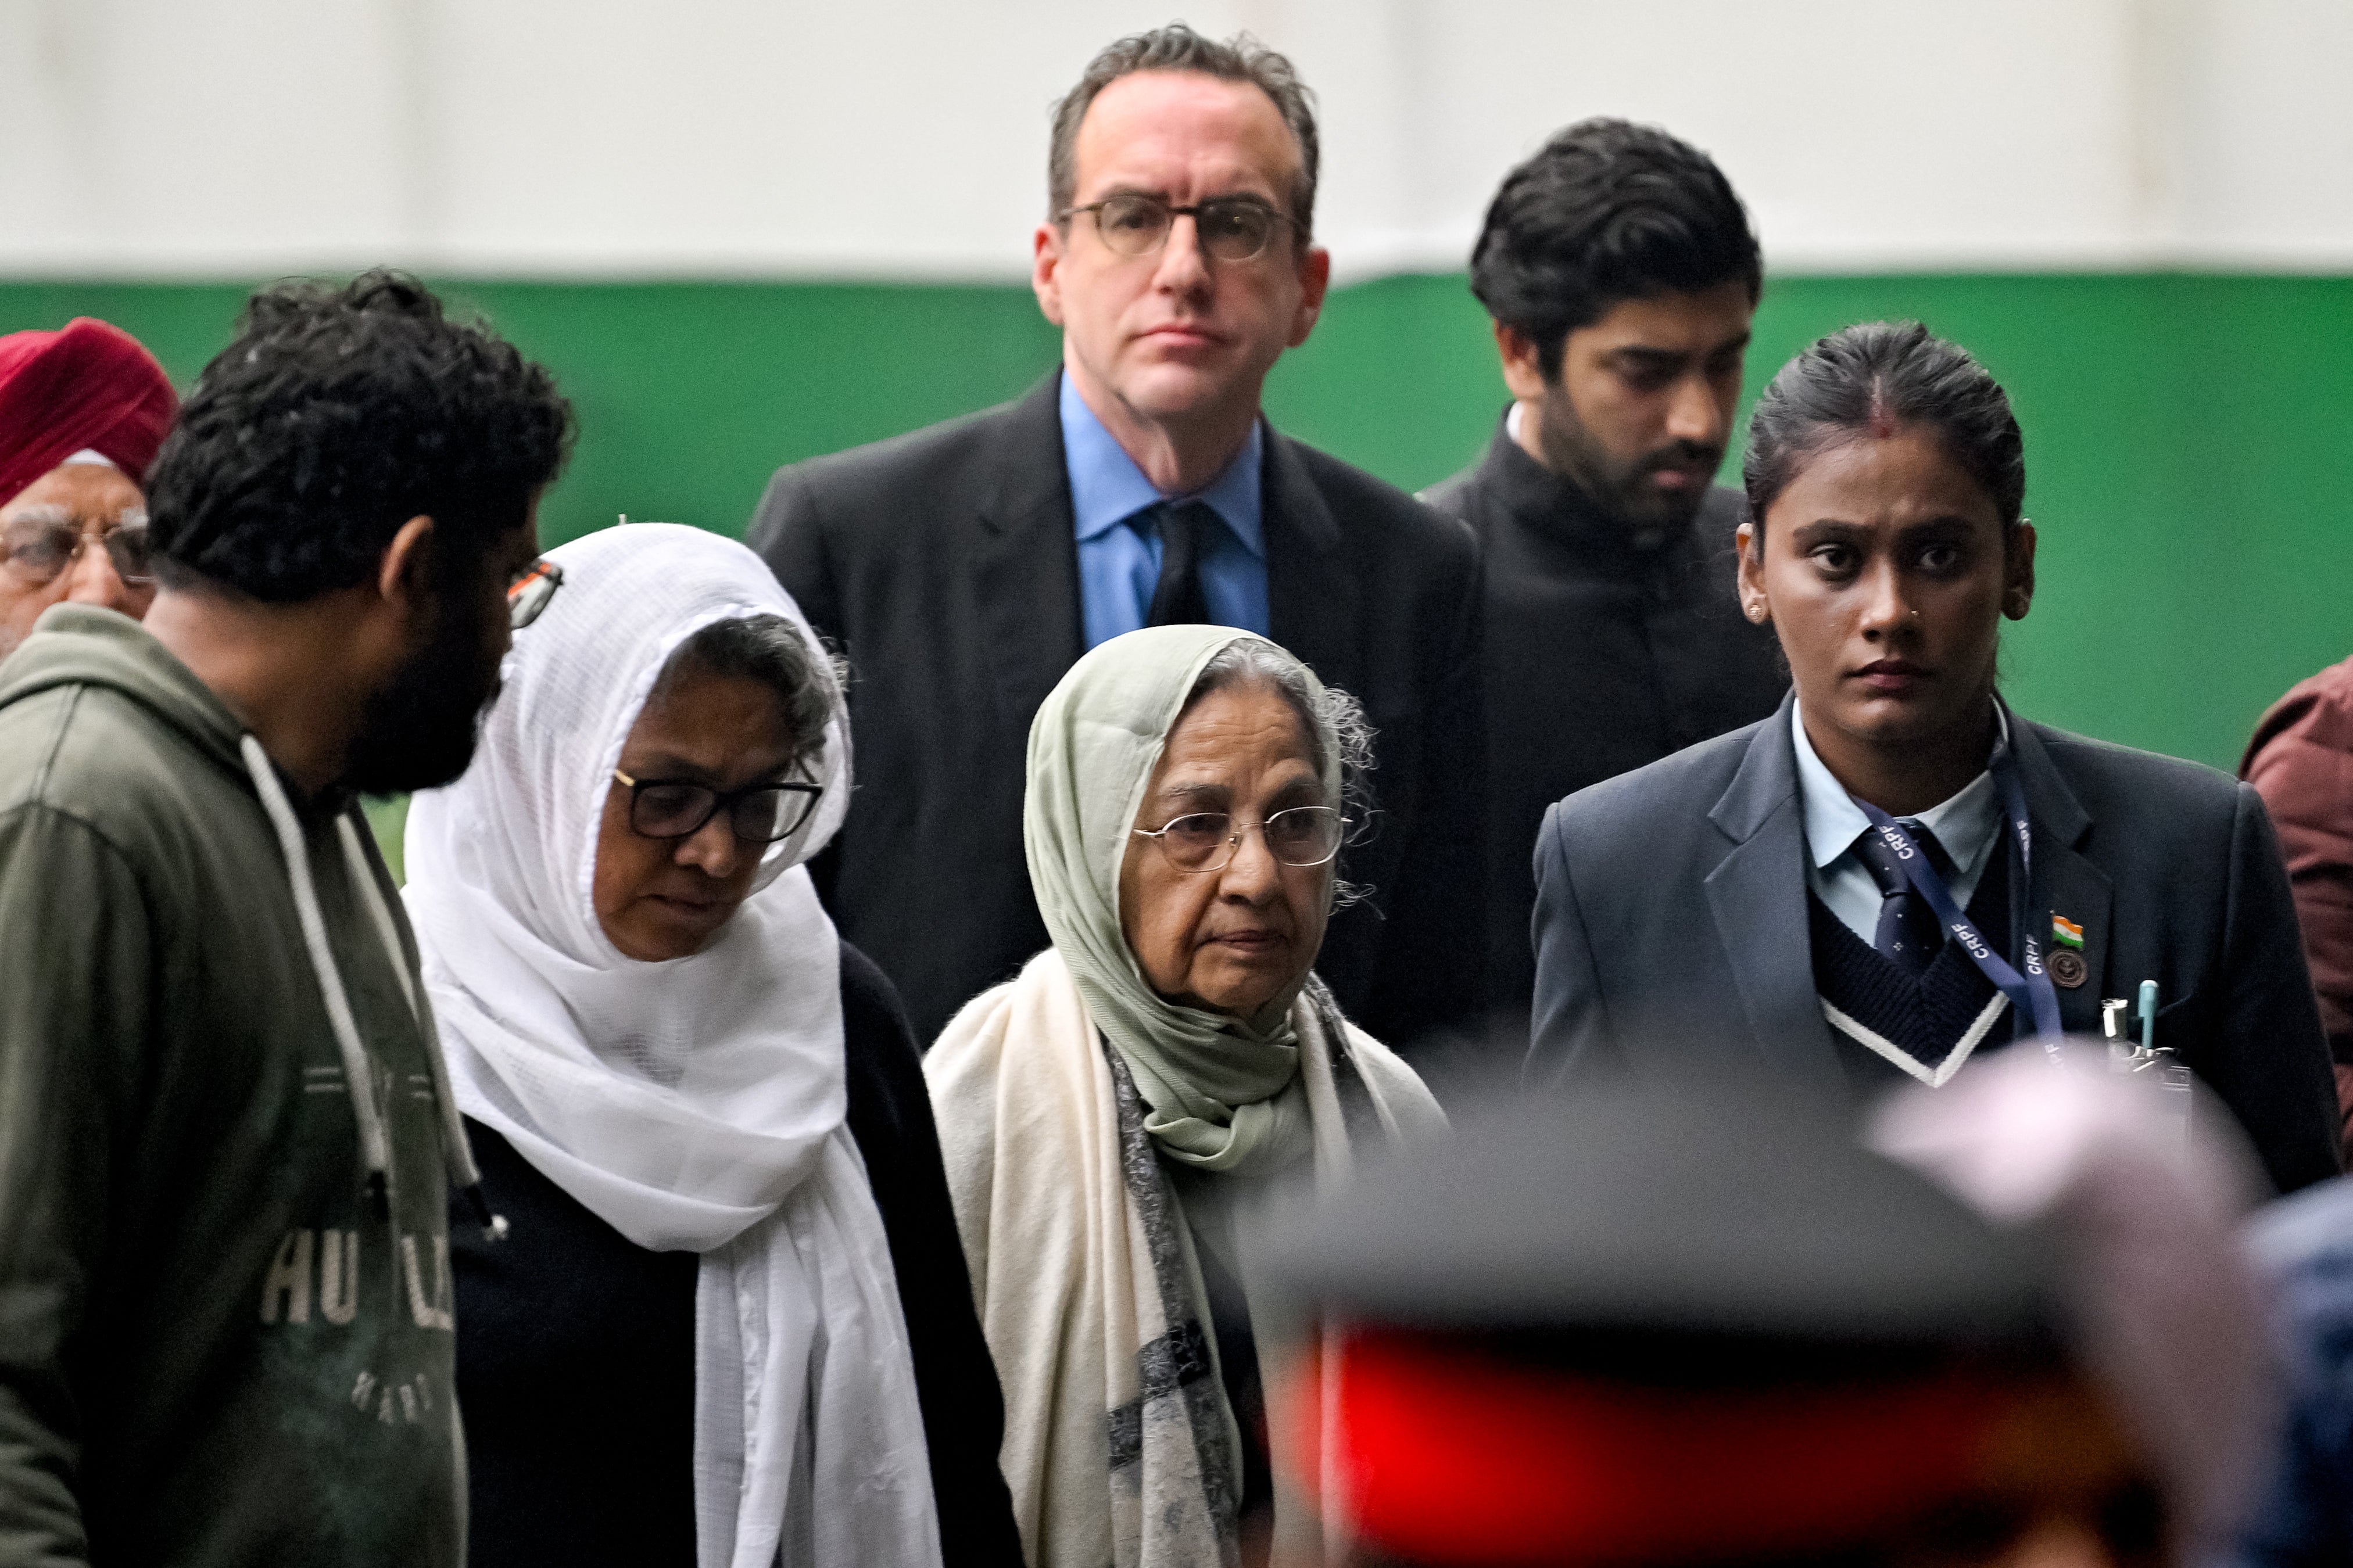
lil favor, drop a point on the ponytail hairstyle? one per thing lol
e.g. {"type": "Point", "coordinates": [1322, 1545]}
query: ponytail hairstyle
{"type": "Point", "coordinates": [1873, 380]}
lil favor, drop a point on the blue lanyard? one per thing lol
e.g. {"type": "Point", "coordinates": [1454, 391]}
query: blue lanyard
{"type": "Point", "coordinates": [2030, 994]}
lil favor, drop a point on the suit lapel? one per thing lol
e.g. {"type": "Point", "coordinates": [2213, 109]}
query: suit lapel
{"type": "Point", "coordinates": [1026, 558]}
{"type": "Point", "coordinates": [1757, 895]}
{"type": "Point", "coordinates": [2065, 881]}
{"type": "Point", "coordinates": [1312, 594]}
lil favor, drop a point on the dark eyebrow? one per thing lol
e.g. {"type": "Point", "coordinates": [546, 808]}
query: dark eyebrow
{"type": "Point", "coordinates": [1649, 358]}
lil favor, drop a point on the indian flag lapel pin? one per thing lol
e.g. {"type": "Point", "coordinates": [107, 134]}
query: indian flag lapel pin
{"type": "Point", "coordinates": [2067, 966]}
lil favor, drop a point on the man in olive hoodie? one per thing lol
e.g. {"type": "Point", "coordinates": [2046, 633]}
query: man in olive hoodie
{"type": "Point", "coordinates": [225, 1137]}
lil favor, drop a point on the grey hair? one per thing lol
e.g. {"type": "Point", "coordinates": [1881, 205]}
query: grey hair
{"type": "Point", "coordinates": [1333, 723]}
{"type": "Point", "coordinates": [771, 650]}
{"type": "Point", "coordinates": [1177, 47]}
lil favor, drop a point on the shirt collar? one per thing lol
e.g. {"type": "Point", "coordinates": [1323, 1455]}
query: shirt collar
{"type": "Point", "coordinates": [1107, 487]}
{"type": "Point", "coordinates": [1963, 825]}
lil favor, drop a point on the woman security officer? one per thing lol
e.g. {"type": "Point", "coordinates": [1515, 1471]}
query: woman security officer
{"type": "Point", "coordinates": [1895, 872]}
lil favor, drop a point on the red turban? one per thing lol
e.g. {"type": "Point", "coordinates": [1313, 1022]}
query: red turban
{"type": "Point", "coordinates": [89, 385]}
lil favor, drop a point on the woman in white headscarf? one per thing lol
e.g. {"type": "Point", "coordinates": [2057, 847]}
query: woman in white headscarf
{"type": "Point", "coordinates": [1104, 1114]}
{"type": "Point", "coordinates": [730, 1307]}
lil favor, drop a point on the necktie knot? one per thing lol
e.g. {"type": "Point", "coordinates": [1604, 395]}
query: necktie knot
{"type": "Point", "coordinates": [1886, 867]}
{"type": "Point", "coordinates": [1909, 932]}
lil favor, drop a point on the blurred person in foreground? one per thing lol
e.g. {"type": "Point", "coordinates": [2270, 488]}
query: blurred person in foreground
{"type": "Point", "coordinates": [1668, 1328]}
{"type": "Point", "coordinates": [226, 1140]}
{"type": "Point", "coordinates": [2304, 1513]}
{"type": "Point", "coordinates": [1895, 873]}
{"type": "Point", "coordinates": [1160, 1066]}
{"type": "Point", "coordinates": [1622, 276]}
{"type": "Point", "coordinates": [965, 568]}
{"type": "Point", "coordinates": [2300, 761]}
{"type": "Point", "coordinates": [732, 1315]}
{"type": "Point", "coordinates": [82, 411]}
{"type": "Point", "coordinates": [2141, 1193]}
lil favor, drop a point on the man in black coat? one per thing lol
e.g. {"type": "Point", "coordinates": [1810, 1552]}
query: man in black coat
{"type": "Point", "coordinates": [965, 567]}
{"type": "Point", "coordinates": [1620, 272]}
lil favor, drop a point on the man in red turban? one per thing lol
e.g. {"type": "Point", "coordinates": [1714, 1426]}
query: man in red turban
{"type": "Point", "coordinates": [83, 412]}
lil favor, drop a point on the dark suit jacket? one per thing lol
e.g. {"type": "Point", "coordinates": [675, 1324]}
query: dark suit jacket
{"type": "Point", "coordinates": [1602, 654]}
{"type": "Point", "coordinates": [1672, 931]}
{"type": "Point", "coordinates": [945, 565]}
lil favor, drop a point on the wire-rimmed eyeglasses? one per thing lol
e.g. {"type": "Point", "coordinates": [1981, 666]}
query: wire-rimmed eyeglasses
{"type": "Point", "coordinates": [1207, 840]}
{"type": "Point", "coordinates": [42, 543]}
{"type": "Point", "coordinates": [678, 808]}
{"type": "Point", "coordinates": [1230, 228]}
{"type": "Point", "coordinates": [528, 595]}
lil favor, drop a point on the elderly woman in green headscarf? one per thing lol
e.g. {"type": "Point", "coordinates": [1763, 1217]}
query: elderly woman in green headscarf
{"type": "Point", "coordinates": [1104, 1114]}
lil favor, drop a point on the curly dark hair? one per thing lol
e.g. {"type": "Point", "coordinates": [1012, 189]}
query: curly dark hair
{"type": "Point", "coordinates": [1871, 379]}
{"type": "Point", "coordinates": [336, 415]}
{"type": "Point", "coordinates": [1607, 211]}
{"type": "Point", "coordinates": [1177, 47]}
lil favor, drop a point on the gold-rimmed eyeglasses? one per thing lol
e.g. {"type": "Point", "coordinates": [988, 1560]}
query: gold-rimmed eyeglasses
{"type": "Point", "coordinates": [1207, 840]}
{"type": "Point", "coordinates": [41, 544]}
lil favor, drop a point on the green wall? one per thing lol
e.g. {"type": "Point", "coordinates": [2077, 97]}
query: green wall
{"type": "Point", "coordinates": [2188, 437]}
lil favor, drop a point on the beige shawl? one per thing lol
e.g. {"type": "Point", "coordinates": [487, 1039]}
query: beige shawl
{"type": "Point", "coordinates": [1118, 1447]}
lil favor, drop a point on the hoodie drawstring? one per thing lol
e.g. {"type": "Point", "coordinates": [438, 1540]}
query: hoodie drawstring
{"type": "Point", "coordinates": [458, 1150]}
{"type": "Point", "coordinates": [376, 1145]}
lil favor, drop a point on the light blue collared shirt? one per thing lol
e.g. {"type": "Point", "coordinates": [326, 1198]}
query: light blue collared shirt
{"type": "Point", "coordinates": [1119, 551]}
{"type": "Point", "coordinates": [1966, 826]}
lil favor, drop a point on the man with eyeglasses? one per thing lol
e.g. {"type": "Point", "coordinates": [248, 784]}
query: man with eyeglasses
{"type": "Point", "coordinates": [226, 1144]}
{"type": "Point", "coordinates": [82, 411]}
{"type": "Point", "coordinates": [965, 567]}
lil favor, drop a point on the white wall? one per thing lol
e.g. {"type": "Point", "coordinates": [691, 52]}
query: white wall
{"type": "Point", "coordinates": [906, 137]}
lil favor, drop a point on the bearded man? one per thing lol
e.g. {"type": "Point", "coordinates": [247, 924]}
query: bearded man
{"type": "Point", "coordinates": [1622, 274]}
{"type": "Point", "coordinates": [227, 1142]}
{"type": "Point", "coordinates": [82, 411]}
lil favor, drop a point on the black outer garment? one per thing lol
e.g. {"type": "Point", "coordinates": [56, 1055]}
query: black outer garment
{"type": "Point", "coordinates": [1603, 654]}
{"type": "Point", "coordinates": [576, 1347]}
{"type": "Point", "coordinates": [945, 564]}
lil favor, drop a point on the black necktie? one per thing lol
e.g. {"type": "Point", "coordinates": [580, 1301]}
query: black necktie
{"type": "Point", "coordinates": [1909, 932]}
{"type": "Point", "coordinates": [1176, 598]}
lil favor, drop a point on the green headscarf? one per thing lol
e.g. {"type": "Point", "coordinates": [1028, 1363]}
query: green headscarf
{"type": "Point", "coordinates": [1214, 1086]}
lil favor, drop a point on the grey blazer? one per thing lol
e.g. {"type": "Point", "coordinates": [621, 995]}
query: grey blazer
{"type": "Point", "coordinates": [1671, 927]}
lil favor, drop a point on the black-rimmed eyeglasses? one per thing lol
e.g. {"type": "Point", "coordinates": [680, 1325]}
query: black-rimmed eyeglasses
{"type": "Point", "coordinates": [1230, 228]}
{"type": "Point", "coordinates": [1207, 840]}
{"type": "Point", "coordinates": [528, 595]}
{"type": "Point", "coordinates": [760, 814]}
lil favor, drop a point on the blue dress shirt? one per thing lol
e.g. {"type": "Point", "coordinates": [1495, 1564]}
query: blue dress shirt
{"type": "Point", "coordinates": [1119, 542]}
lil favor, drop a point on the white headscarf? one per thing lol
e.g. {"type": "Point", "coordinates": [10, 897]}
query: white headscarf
{"type": "Point", "coordinates": [694, 1105]}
